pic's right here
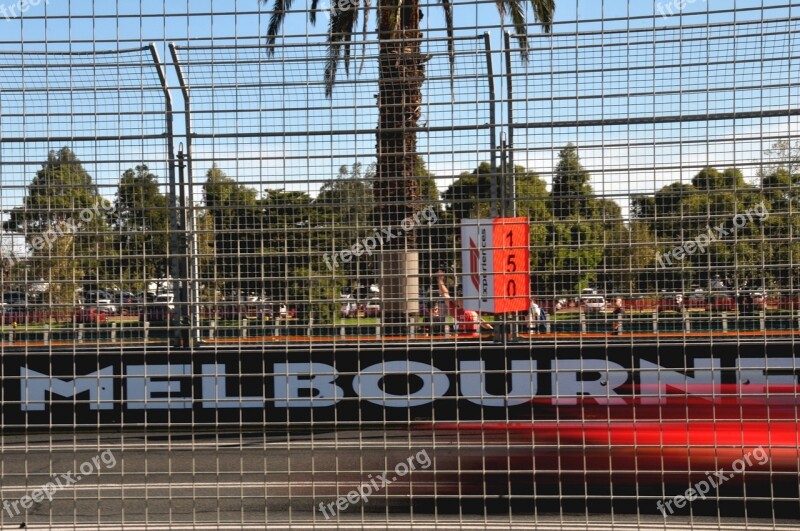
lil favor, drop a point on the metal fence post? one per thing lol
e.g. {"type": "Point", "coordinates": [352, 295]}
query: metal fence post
{"type": "Point", "coordinates": [492, 123]}
{"type": "Point", "coordinates": [174, 227]}
{"type": "Point", "coordinates": [190, 212]}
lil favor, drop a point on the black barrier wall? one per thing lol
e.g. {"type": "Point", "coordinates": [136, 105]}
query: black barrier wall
{"type": "Point", "coordinates": [347, 388]}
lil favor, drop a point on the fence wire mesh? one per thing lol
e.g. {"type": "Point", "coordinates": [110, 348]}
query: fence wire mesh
{"type": "Point", "coordinates": [258, 274]}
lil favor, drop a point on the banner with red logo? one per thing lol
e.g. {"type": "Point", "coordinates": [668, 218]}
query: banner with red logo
{"type": "Point", "coordinates": [495, 257]}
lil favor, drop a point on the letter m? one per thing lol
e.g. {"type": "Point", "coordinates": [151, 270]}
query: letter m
{"type": "Point", "coordinates": [35, 385]}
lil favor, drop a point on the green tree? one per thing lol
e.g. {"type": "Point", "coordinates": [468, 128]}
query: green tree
{"type": "Point", "coordinates": [629, 249]}
{"type": "Point", "coordinates": [574, 247]}
{"type": "Point", "coordinates": [781, 191]}
{"type": "Point", "coordinates": [572, 196]}
{"type": "Point", "coordinates": [9, 260]}
{"type": "Point", "coordinates": [401, 74]}
{"type": "Point", "coordinates": [615, 239]}
{"type": "Point", "coordinates": [238, 231]}
{"type": "Point", "coordinates": [470, 197]}
{"type": "Point", "coordinates": [287, 242]}
{"type": "Point", "coordinates": [141, 229]}
{"type": "Point", "coordinates": [342, 216]}
{"type": "Point", "coordinates": [784, 154]}
{"type": "Point", "coordinates": [679, 213]}
{"type": "Point", "coordinates": [433, 230]}
{"type": "Point", "coordinates": [735, 253]}
{"type": "Point", "coordinates": [780, 184]}
{"type": "Point", "coordinates": [663, 211]}
{"type": "Point", "coordinates": [64, 221]}
{"type": "Point", "coordinates": [346, 202]}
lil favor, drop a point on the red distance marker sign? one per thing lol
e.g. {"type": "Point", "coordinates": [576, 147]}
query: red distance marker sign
{"type": "Point", "coordinates": [512, 278]}
{"type": "Point", "coordinates": [495, 258]}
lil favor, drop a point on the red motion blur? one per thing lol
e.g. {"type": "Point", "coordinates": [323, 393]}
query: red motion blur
{"type": "Point", "coordinates": [672, 439]}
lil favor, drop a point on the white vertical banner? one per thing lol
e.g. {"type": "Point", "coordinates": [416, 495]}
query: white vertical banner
{"type": "Point", "coordinates": [477, 257]}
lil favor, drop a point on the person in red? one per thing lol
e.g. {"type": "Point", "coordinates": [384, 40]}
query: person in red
{"type": "Point", "coordinates": [467, 321]}
{"type": "Point", "coordinates": [619, 312]}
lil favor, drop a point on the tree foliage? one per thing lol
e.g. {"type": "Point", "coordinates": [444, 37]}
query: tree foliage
{"type": "Point", "coordinates": [64, 221]}
{"type": "Point", "coordinates": [141, 228]}
{"type": "Point", "coordinates": [272, 243]}
{"type": "Point", "coordinates": [575, 243]}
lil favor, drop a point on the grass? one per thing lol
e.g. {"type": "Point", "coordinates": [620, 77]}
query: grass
{"type": "Point", "coordinates": [564, 316]}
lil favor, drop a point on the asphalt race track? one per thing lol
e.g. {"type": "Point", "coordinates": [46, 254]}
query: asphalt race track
{"type": "Point", "coordinates": [255, 481]}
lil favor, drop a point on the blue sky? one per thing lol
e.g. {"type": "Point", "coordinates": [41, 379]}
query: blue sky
{"type": "Point", "coordinates": [305, 163]}
{"type": "Point", "coordinates": [103, 24]}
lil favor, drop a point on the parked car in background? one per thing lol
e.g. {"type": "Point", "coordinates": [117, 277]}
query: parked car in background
{"type": "Point", "coordinates": [372, 308]}
{"type": "Point", "coordinates": [166, 299]}
{"type": "Point", "coordinates": [27, 314]}
{"type": "Point", "coordinates": [696, 300]}
{"type": "Point", "coordinates": [100, 300]}
{"type": "Point", "coordinates": [123, 297]}
{"type": "Point", "coordinates": [15, 298]}
{"type": "Point", "coordinates": [126, 302]}
{"type": "Point", "coordinates": [161, 309]}
{"type": "Point", "coordinates": [10, 314]}
{"type": "Point", "coordinates": [593, 304]}
{"type": "Point", "coordinates": [750, 302]}
{"type": "Point", "coordinates": [759, 300]}
{"type": "Point", "coordinates": [90, 315]}
{"type": "Point", "coordinates": [349, 308]}
{"type": "Point", "coordinates": [146, 296]}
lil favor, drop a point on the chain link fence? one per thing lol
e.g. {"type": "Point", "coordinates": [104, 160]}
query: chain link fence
{"type": "Point", "coordinates": [256, 273]}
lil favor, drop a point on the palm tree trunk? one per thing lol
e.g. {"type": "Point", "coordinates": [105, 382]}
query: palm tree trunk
{"type": "Point", "coordinates": [397, 191]}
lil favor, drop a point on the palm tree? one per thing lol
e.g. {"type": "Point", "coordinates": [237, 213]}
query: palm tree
{"type": "Point", "coordinates": [401, 73]}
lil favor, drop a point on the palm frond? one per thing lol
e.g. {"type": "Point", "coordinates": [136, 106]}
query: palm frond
{"type": "Point", "coordinates": [516, 11]}
{"type": "Point", "coordinates": [447, 6]}
{"type": "Point", "coordinates": [312, 16]}
{"type": "Point", "coordinates": [341, 28]}
{"type": "Point", "coordinates": [367, 7]}
{"type": "Point", "coordinates": [279, 10]}
{"type": "Point", "coordinates": [543, 12]}
{"type": "Point", "coordinates": [501, 7]}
